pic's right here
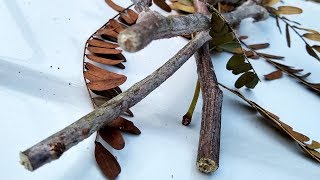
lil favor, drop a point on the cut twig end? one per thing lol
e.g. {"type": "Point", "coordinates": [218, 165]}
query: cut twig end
{"type": "Point", "coordinates": [24, 160]}
{"type": "Point", "coordinates": [129, 41]}
{"type": "Point", "coordinates": [206, 165]}
{"type": "Point", "coordinates": [186, 119]}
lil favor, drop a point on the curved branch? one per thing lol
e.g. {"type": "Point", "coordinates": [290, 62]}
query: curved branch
{"type": "Point", "coordinates": [152, 25]}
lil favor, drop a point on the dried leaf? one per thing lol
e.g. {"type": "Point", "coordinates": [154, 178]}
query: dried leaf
{"type": "Point", "coordinates": [270, 2]}
{"type": "Point", "coordinates": [116, 25]}
{"type": "Point", "coordinates": [113, 137]}
{"type": "Point", "coordinates": [103, 60]}
{"type": "Point", "coordinates": [100, 43]}
{"type": "Point", "coordinates": [300, 137]}
{"type": "Point", "coordinates": [274, 75]}
{"type": "Point", "coordinates": [110, 93]}
{"type": "Point", "coordinates": [312, 36]}
{"type": "Point", "coordinates": [98, 101]}
{"type": "Point", "coordinates": [181, 7]}
{"type": "Point", "coordinates": [163, 5]}
{"type": "Point", "coordinates": [311, 52]}
{"type": "Point", "coordinates": [102, 73]}
{"type": "Point", "coordinates": [114, 6]}
{"type": "Point", "coordinates": [271, 56]}
{"type": "Point", "coordinates": [133, 15]}
{"type": "Point", "coordinates": [186, 2]}
{"type": "Point", "coordinates": [288, 35]}
{"type": "Point", "coordinates": [108, 34]}
{"type": "Point", "coordinates": [317, 48]}
{"type": "Point", "coordinates": [124, 125]}
{"type": "Point", "coordinates": [127, 19]}
{"type": "Point", "coordinates": [106, 84]}
{"type": "Point", "coordinates": [314, 145]}
{"type": "Point", "coordinates": [98, 50]}
{"type": "Point", "coordinates": [106, 161]}
{"type": "Point", "coordinates": [305, 29]}
{"type": "Point", "coordinates": [287, 10]}
{"type": "Point", "coordinates": [259, 46]}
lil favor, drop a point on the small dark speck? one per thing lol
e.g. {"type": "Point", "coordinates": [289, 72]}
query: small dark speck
{"type": "Point", "coordinates": [40, 89]}
{"type": "Point", "coordinates": [69, 84]}
{"type": "Point", "coordinates": [19, 72]}
{"type": "Point", "coordinates": [54, 94]}
{"type": "Point", "coordinates": [58, 67]}
{"type": "Point", "coordinates": [172, 176]}
{"type": "Point", "coordinates": [69, 19]}
{"type": "Point", "coordinates": [50, 66]}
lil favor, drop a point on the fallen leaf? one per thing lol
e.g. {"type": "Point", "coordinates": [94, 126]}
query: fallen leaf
{"type": "Point", "coordinates": [274, 75]}
{"type": "Point", "coordinates": [106, 161]}
{"type": "Point", "coordinates": [113, 137]}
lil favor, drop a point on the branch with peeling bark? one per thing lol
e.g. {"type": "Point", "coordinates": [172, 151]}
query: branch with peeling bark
{"type": "Point", "coordinates": [151, 25]}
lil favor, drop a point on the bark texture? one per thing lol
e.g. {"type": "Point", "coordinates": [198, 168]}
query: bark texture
{"type": "Point", "coordinates": [209, 139]}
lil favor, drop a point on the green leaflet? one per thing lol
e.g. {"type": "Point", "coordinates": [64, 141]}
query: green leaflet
{"type": "Point", "coordinates": [224, 38]}
{"type": "Point", "coordinates": [248, 79]}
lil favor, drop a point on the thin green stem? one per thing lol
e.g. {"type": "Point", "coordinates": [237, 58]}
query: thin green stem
{"type": "Point", "coordinates": [186, 120]}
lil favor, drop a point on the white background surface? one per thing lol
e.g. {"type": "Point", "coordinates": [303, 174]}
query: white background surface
{"type": "Point", "coordinates": [37, 100]}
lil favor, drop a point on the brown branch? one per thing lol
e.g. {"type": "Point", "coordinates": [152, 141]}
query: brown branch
{"type": "Point", "coordinates": [54, 146]}
{"type": "Point", "coordinates": [152, 25]}
{"type": "Point", "coordinates": [209, 140]}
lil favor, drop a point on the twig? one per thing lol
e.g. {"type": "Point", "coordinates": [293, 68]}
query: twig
{"type": "Point", "coordinates": [152, 25]}
{"type": "Point", "coordinates": [54, 146]}
{"type": "Point", "coordinates": [209, 140]}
